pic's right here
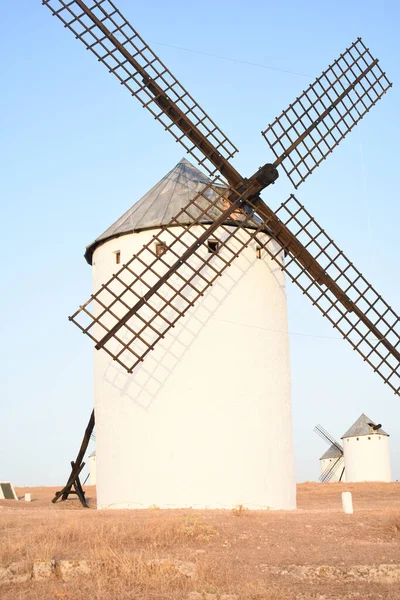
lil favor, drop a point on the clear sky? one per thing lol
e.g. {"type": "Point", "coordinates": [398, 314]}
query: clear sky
{"type": "Point", "coordinates": [76, 151]}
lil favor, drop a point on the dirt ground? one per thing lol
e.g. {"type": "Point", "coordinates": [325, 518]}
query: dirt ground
{"type": "Point", "coordinates": [314, 552]}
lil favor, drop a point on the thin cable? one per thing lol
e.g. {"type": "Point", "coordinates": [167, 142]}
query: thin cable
{"type": "Point", "coordinates": [285, 331]}
{"type": "Point", "coordinates": [235, 60]}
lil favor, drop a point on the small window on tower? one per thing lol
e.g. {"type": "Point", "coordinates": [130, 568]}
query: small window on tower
{"type": "Point", "coordinates": [161, 248]}
{"type": "Point", "coordinates": [117, 256]}
{"type": "Point", "coordinates": [258, 252]}
{"type": "Point", "coordinates": [213, 246]}
{"type": "Point", "coordinates": [358, 439]}
{"type": "Point", "coordinates": [369, 438]}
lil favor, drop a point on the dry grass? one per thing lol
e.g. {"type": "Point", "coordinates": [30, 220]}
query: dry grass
{"type": "Point", "coordinates": [231, 554]}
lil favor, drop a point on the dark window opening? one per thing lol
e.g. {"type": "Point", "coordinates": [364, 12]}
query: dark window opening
{"type": "Point", "coordinates": [161, 248]}
{"type": "Point", "coordinates": [213, 246]}
{"type": "Point", "coordinates": [258, 252]}
{"type": "Point", "coordinates": [117, 257]}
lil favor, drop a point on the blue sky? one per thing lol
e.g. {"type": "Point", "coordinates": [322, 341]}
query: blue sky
{"type": "Point", "coordinates": [77, 151]}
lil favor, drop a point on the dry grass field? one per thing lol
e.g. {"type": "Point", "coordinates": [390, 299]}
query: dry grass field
{"type": "Point", "coordinates": [315, 552]}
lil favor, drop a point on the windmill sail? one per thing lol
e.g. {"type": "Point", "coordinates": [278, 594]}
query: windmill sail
{"type": "Point", "coordinates": [314, 263]}
{"type": "Point", "coordinates": [310, 128]}
{"type": "Point", "coordinates": [328, 438]}
{"type": "Point", "coordinates": [135, 309]}
{"type": "Point", "coordinates": [332, 469]}
{"type": "Point", "coordinates": [343, 295]}
{"type": "Point", "coordinates": [335, 451]}
{"type": "Point", "coordinates": [102, 28]}
{"type": "Point", "coordinates": [322, 116]}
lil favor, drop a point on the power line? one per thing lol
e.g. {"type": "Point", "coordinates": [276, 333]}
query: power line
{"type": "Point", "coordinates": [285, 331]}
{"type": "Point", "coordinates": [235, 60]}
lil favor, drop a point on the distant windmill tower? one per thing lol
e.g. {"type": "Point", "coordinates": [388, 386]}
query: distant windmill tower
{"type": "Point", "coordinates": [332, 461]}
{"type": "Point", "coordinates": [92, 468]}
{"type": "Point", "coordinates": [195, 411]}
{"type": "Point", "coordinates": [366, 451]}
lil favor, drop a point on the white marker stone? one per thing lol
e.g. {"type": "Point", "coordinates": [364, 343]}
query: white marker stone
{"type": "Point", "coordinates": [28, 498]}
{"type": "Point", "coordinates": [347, 503]}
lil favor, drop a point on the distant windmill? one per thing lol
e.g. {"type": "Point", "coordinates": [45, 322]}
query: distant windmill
{"type": "Point", "coordinates": [366, 451]}
{"type": "Point", "coordinates": [333, 460]}
{"type": "Point", "coordinates": [224, 223]}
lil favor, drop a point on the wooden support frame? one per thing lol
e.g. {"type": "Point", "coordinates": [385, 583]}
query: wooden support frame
{"type": "Point", "coordinates": [77, 466]}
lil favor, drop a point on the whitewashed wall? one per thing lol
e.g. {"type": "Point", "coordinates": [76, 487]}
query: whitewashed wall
{"type": "Point", "coordinates": [205, 421]}
{"type": "Point", "coordinates": [367, 458]}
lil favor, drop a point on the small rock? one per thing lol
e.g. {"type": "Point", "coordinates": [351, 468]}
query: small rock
{"type": "Point", "coordinates": [43, 569]}
{"type": "Point", "coordinates": [67, 569]}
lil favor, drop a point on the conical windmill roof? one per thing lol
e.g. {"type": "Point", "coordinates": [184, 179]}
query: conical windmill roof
{"type": "Point", "coordinates": [158, 206]}
{"type": "Point", "coordinates": [332, 452]}
{"type": "Point", "coordinates": [362, 427]}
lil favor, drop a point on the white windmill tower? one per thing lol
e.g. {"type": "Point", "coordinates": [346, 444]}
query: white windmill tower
{"type": "Point", "coordinates": [170, 433]}
{"type": "Point", "coordinates": [215, 383]}
{"type": "Point", "coordinates": [366, 451]}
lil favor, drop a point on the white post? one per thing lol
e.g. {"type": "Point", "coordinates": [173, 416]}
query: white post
{"type": "Point", "coordinates": [347, 503]}
{"type": "Point", "coordinates": [28, 498]}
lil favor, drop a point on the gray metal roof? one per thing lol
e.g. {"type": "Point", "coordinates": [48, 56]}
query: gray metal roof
{"type": "Point", "coordinates": [158, 206]}
{"type": "Point", "coordinates": [332, 452]}
{"type": "Point", "coordinates": [362, 427]}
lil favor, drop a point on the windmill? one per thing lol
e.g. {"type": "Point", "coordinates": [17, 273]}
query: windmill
{"type": "Point", "coordinates": [138, 306]}
{"type": "Point", "coordinates": [334, 457]}
{"type": "Point", "coordinates": [366, 451]}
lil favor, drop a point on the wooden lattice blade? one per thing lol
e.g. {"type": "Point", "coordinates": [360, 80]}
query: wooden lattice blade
{"type": "Point", "coordinates": [110, 37]}
{"type": "Point", "coordinates": [338, 289]}
{"type": "Point", "coordinates": [127, 321]}
{"type": "Point", "coordinates": [331, 469]}
{"type": "Point", "coordinates": [310, 128]}
{"type": "Point", "coordinates": [136, 308]}
{"type": "Point", "coordinates": [327, 437]}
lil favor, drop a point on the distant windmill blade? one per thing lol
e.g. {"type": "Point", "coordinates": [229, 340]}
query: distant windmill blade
{"type": "Point", "coordinates": [102, 28]}
{"type": "Point", "coordinates": [331, 469]}
{"type": "Point", "coordinates": [327, 437]}
{"type": "Point", "coordinates": [306, 132]}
